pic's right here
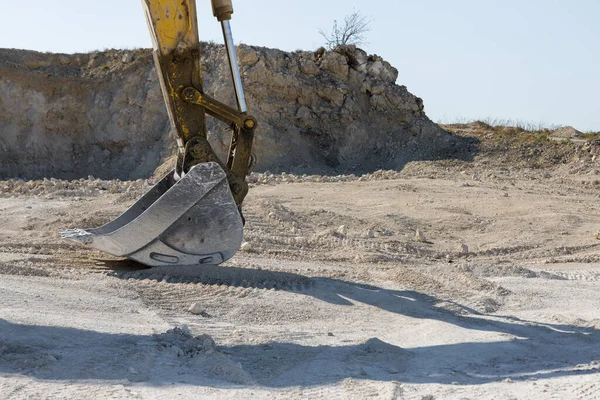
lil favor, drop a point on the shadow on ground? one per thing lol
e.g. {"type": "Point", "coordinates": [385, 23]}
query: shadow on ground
{"type": "Point", "coordinates": [448, 146]}
{"type": "Point", "coordinates": [529, 350]}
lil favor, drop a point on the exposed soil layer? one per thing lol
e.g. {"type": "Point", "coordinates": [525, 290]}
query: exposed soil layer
{"type": "Point", "coordinates": [102, 114]}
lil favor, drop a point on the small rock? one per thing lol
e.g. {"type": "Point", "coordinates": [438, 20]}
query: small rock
{"type": "Point", "coordinates": [464, 249]}
{"type": "Point", "coordinates": [197, 309]}
{"type": "Point", "coordinates": [420, 236]}
{"type": "Point", "coordinates": [370, 233]}
{"type": "Point", "coordinates": [127, 58]}
{"type": "Point", "coordinates": [324, 233]}
{"type": "Point", "coordinates": [342, 230]}
{"type": "Point", "coordinates": [133, 371]}
{"type": "Point", "coordinates": [329, 334]}
{"type": "Point", "coordinates": [64, 60]}
{"type": "Point", "coordinates": [597, 235]}
{"type": "Point", "coordinates": [209, 344]}
{"type": "Point", "coordinates": [95, 61]}
{"type": "Point", "coordinates": [246, 246]}
{"type": "Point", "coordinates": [507, 380]}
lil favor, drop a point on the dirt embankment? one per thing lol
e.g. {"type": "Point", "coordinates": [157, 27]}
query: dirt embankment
{"type": "Point", "coordinates": [102, 114]}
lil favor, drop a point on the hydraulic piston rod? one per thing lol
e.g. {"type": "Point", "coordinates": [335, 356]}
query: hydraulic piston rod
{"type": "Point", "coordinates": [233, 64]}
{"type": "Point", "coordinates": [222, 9]}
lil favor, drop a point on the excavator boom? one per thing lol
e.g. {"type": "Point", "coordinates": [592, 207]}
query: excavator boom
{"type": "Point", "coordinates": [193, 215]}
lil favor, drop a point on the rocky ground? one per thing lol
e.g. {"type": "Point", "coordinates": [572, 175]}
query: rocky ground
{"type": "Point", "coordinates": [474, 277]}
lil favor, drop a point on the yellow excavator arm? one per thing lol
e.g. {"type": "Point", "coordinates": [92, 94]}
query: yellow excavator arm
{"type": "Point", "coordinates": [193, 215]}
{"type": "Point", "coordinates": [174, 30]}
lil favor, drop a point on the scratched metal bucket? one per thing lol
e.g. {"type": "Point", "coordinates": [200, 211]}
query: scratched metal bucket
{"type": "Point", "coordinates": [190, 221]}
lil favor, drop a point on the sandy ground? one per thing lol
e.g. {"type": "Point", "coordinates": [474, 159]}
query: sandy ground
{"type": "Point", "coordinates": [500, 301]}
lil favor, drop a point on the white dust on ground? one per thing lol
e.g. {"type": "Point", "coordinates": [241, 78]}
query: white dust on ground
{"type": "Point", "coordinates": [308, 309]}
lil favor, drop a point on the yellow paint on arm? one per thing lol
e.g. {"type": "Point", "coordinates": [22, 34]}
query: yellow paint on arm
{"type": "Point", "coordinates": [173, 23]}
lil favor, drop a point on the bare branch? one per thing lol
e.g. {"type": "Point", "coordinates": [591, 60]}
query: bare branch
{"type": "Point", "coordinates": [352, 31]}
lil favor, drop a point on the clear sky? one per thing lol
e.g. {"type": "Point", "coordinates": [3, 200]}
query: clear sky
{"type": "Point", "coordinates": [528, 60]}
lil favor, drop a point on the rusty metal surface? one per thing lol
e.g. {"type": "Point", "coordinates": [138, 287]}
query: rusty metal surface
{"type": "Point", "coordinates": [174, 29]}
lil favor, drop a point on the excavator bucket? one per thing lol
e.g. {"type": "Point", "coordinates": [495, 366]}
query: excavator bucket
{"type": "Point", "coordinates": [190, 221]}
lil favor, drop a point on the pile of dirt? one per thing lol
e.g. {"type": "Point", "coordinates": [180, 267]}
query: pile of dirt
{"type": "Point", "coordinates": [508, 148]}
{"type": "Point", "coordinates": [102, 114]}
{"type": "Point", "coordinates": [567, 132]}
{"type": "Point", "coordinates": [182, 343]}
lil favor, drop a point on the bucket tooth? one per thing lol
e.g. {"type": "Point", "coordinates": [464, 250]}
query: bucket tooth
{"type": "Point", "coordinates": [190, 221]}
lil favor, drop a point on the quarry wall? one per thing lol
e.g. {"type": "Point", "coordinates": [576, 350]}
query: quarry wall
{"type": "Point", "coordinates": [102, 114]}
